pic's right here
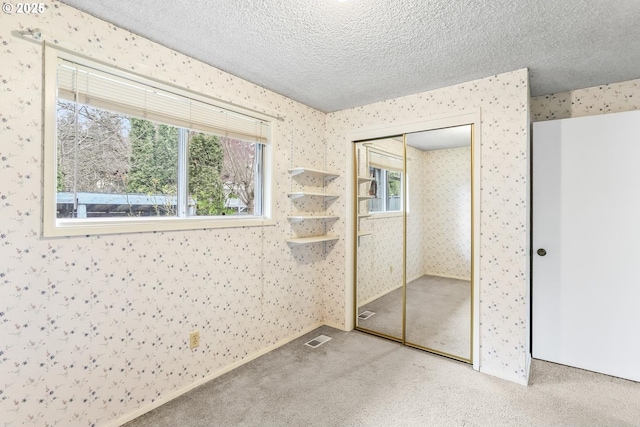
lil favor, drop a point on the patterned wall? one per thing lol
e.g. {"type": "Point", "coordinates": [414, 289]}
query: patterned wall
{"type": "Point", "coordinates": [380, 258]}
{"type": "Point", "coordinates": [504, 246]}
{"type": "Point", "coordinates": [416, 224]}
{"type": "Point", "coordinates": [92, 328]}
{"type": "Point", "coordinates": [446, 212]}
{"type": "Point", "coordinates": [611, 98]}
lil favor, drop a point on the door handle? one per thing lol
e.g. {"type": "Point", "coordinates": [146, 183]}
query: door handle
{"type": "Point", "coordinates": [542, 252]}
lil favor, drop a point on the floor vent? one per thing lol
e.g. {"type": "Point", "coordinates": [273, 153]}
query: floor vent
{"type": "Point", "coordinates": [365, 315]}
{"type": "Point", "coordinates": [317, 341]}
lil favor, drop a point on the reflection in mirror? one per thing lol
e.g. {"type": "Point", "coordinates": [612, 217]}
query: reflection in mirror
{"type": "Point", "coordinates": [438, 300]}
{"type": "Point", "coordinates": [380, 241]}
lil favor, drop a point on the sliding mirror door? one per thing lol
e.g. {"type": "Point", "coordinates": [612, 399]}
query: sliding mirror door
{"type": "Point", "coordinates": [380, 236]}
{"type": "Point", "coordinates": [439, 247]}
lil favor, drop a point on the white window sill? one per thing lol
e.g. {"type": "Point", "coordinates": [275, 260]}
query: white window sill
{"type": "Point", "coordinates": [92, 226]}
{"type": "Point", "coordinates": [382, 215]}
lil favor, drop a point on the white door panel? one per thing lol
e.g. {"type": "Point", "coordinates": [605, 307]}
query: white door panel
{"type": "Point", "coordinates": [586, 214]}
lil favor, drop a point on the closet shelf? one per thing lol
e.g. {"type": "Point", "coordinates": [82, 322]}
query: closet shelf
{"type": "Point", "coordinates": [299, 194]}
{"type": "Point", "coordinates": [326, 174]}
{"type": "Point", "coordinates": [298, 218]}
{"type": "Point", "coordinates": [312, 239]}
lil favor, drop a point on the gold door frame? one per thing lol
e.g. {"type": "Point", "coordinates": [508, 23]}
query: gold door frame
{"type": "Point", "coordinates": [404, 250]}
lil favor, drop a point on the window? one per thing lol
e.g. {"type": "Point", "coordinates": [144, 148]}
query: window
{"type": "Point", "coordinates": [126, 154]}
{"type": "Point", "coordinates": [388, 197]}
{"type": "Point", "coordinates": [386, 171]}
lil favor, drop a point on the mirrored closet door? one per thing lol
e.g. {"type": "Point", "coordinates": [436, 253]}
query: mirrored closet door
{"type": "Point", "coordinates": [380, 238]}
{"type": "Point", "coordinates": [413, 258]}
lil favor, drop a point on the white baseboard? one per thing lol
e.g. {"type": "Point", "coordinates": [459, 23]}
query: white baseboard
{"type": "Point", "coordinates": [446, 276]}
{"type": "Point", "coordinates": [143, 410]}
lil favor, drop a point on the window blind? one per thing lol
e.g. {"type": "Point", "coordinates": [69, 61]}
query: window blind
{"type": "Point", "coordinates": [119, 94]}
{"type": "Point", "coordinates": [382, 161]}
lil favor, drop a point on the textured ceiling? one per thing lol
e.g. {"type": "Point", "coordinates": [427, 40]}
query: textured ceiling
{"type": "Point", "coordinates": [333, 54]}
{"type": "Point", "coordinates": [440, 139]}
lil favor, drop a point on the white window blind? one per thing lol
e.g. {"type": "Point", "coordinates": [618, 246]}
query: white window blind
{"type": "Point", "coordinates": [120, 94]}
{"type": "Point", "coordinates": [384, 161]}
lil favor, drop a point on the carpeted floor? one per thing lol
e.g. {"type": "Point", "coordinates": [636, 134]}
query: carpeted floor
{"type": "Point", "coordinates": [360, 380]}
{"type": "Point", "coordinates": [438, 314]}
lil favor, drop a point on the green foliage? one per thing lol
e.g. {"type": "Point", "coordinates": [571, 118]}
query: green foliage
{"type": "Point", "coordinates": [206, 187]}
{"type": "Point", "coordinates": [60, 187]}
{"type": "Point", "coordinates": [154, 158]}
{"type": "Point", "coordinates": [394, 183]}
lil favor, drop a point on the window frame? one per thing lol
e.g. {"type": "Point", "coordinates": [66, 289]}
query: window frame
{"type": "Point", "coordinates": [58, 227]}
{"type": "Point", "coordinates": [383, 187]}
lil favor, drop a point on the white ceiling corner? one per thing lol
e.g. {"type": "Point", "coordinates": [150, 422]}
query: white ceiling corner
{"type": "Point", "coordinates": [334, 55]}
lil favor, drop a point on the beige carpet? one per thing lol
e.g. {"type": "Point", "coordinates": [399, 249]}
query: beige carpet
{"type": "Point", "coordinates": [438, 314]}
{"type": "Point", "coordinates": [360, 380]}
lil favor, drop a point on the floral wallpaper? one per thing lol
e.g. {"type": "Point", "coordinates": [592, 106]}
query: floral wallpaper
{"type": "Point", "coordinates": [611, 98]}
{"type": "Point", "coordinates": [447, 212]}
{"type": "Point", "coordinates": [379, 258]}
{"type": "Point", "coordinates": [504, 243]}
{"type": "Point", "coordinates": [94, 328]}
{"type": "Point", "coordinates": [416, 224]}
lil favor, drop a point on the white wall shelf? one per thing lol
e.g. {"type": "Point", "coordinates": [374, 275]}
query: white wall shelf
{"type": "Point", "coordinates": [298, 218]}
{"type": "Point", "coordinates": [362, 179]}
{"type": "Point", "coordinates": [326, 174]}
{"type": "Point", "coordinates": [310, 217]}
{"type": "Point", "coordinates": [299, 194]}
{"type": "Point", "coordinates": [312, 239]}
{"type": "Point", "coordinates": [363, 185]}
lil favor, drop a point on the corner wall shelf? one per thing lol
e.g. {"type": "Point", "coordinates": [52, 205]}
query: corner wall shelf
{"type": "Point", "coordinates": [326, 174]}
{"type": "Point", "coordinates": [312, 239]}
{"type": "Point", "coordinates": [364, 197]}
{"type": "Point", "coordinates": [305, 216]}
{"type": "Point", "coordinates": [362, 179]}
{"type": "Point", "coordinates": [364, 215]}
{"type": "Point", "coordinates": [299, 194]}
{"type": "Point", "coordinates": [364, 233]}
{"type": "Point", "coordinates": [298, 218]}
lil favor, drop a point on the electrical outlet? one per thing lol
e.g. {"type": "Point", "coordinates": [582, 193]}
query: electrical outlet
{"type": "Point", "coordinates": [194, 339]}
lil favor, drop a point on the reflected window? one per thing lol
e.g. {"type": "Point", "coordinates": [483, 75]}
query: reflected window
{"type": "Point", "coordinates": [386, 188]}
